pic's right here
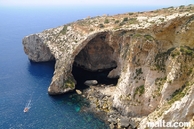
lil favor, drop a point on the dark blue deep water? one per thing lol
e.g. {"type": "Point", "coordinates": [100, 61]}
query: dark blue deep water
{"type": "Point", "coordinates": [21, 81]}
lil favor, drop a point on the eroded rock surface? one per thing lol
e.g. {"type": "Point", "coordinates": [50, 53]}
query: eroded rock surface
{"type": "Point", "coordinates": [152, 53]}
{"type": "Point", "coordinates": [36, 49]}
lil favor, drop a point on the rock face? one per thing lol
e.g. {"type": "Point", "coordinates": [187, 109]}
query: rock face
{"type": "Point", "coordinates": [35, 48]}
{"type": "Point", "coordinates": [97, 54]}
{"type": "Point", "coordinates": [151, 52]}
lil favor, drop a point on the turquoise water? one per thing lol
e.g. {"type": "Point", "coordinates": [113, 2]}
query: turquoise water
{"type": "Point", "coordinates": [21, 81]}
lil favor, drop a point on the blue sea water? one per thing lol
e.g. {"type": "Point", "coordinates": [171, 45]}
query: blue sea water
{"type": "Point", "coordinates": [21, 81]}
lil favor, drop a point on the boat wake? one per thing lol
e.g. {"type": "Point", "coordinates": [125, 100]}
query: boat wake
{"type": "Point", "coordinates": [28, 106]}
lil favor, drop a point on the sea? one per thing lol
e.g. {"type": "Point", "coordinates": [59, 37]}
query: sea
{"type": "Point", "coordinates": [25, 83]}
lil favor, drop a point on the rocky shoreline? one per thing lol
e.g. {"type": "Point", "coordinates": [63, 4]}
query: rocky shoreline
{"type": "Point", "coordinates": [101, 99]}
{"type": "Point", "coordinates": [152, 53]}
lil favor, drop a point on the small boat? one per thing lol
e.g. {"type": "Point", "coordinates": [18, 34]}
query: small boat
{"type": "Point", "coordinates": [26, 109]}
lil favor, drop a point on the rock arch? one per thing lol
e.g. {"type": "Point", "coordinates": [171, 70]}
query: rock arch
{"type": "Point", "coordinates": [95, 53]}
{"type": "Point", "coordinates": [104, 49]}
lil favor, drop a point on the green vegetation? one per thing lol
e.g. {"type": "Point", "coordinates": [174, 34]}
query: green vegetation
{"type": "Point", "coordinates": [170, 7]}
{"type": "Point", "coordinates": [139, 90]}
{"type": "Point", "coordinates": [175, 53]}
{"type": "Point", "coordinates": [159, 82]}
{"type": "Point", "coordinates": [106, 21]}
{"type": "Point", "coordinates": [148, 37]}
{"type": "Point", "coordinates": [170, 81]}
{"type": "Point", "coordinates": [187, 51]}
{"type": "Point", "coordinates": [179, 93]}
{"type": "Point", "coordinates": [125, 51]}
{"type": "Point", "coordinates": [64, 30]}
{"type": "Point", "coordinates": [101, 25]}
{"type": "Point", "coordinates": [139, 71]}
{"type": "Point", "coordinates": [137, 35]}
{"type": "Point", "coordinates": [132, 20]}
{"type": "Point", "coordinates": [130, 13]}
{"type": "Point", "coordinates": [190, 71]}
{"type": "Point", "coordinates": [161, 19]}
{"type": "Point", "coordinates": [117, 21]}
{"type": "Point", "coordinates": [69, 83]}
{"type": "Point", "coordinates": [182, 6]}
{"type": "Point", "coordinates": [122, 23]}
{"type": "Point", "coordinates": [161, 58]}
{"type": "Point", "coordinates": [123, 33]}
{"type": "Point", "coordinates": [186, 55]}
{"type": "Point", "coordinates": [91, 29]}
{"type": "Point", "coordinates": [125, 19]}
{"type": "Point", "coordinates": [140, 12]}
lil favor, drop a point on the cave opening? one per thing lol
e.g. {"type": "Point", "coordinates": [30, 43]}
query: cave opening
{"type": "Point", "coordinates": [81, 75]}
{"type": "Point", "coordinates": [96, 61]}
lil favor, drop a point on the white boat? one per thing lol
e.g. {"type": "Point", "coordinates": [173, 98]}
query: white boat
{"type": "Point", "coordinates": [27, 107]}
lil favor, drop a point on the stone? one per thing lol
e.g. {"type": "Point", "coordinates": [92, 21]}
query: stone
{"type": "Point", "coordinates": [78, 91]}
{"type": "Point", "coordinates": [83, 96]}
{"type": "Point", "coordinates": [112, 126]}
{"type": "Point", "coordinates": [124, 122]}
{"type": "Point", "coordinates": [134, 122]}
{"type": "Point", "coordinates": [112, 120]}
{"type": "Point", "coordinates": [91, 82]}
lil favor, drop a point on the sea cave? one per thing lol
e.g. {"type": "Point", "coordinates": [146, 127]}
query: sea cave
{"type": "Point", "coordinates": [95, 61]}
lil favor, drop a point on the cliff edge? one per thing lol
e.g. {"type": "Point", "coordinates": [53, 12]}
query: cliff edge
{"type": "Point", "coordinates": [152, 53]}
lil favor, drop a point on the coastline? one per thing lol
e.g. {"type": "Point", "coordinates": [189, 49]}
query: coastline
{"type": "Point", "coordinates": [100, 99]}
{"type": "Point", "coordinates": [151, 53]}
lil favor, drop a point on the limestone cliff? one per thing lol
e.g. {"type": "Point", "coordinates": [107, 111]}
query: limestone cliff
{"type": "Point", "coordinates": [152, 53]}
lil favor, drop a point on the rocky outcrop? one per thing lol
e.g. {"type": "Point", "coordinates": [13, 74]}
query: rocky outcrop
{"type": "Point", "coordinates": [151, 52]}
{"type": "Point", "coordinates": [179, 111]}
{"type": "Point", "coordinates": [35, 48]}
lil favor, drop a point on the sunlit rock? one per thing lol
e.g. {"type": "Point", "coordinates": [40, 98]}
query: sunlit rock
{"type": "Point", "coordinates": [152, 53]}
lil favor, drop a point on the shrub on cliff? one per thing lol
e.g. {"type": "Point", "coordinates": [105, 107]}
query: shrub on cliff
{"type": "Point", "coordinates": [106, 21]}
{"type": "Point", "coordinates": [125, 19]}
{"type": "Point", "coordinates": [101, 25]}
{"type": "Point", "coordinates": [139, 90]}
{"type": "Point", "coordinates": [64, 30]}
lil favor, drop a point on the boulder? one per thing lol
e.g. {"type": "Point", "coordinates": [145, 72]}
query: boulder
{"type": "Point", "coordinates": [91, 82]}
{"type": "Point", "coordinates": [78, 92]}
{"type": "Point", "coordinates": [124, 122]}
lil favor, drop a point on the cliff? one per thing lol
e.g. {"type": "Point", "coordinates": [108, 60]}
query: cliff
{"type": "Point", "coordinates": [152, 53]}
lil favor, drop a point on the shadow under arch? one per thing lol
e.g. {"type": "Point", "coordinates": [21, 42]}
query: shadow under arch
{"type": "Point", "coordinates": [95, 61]}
